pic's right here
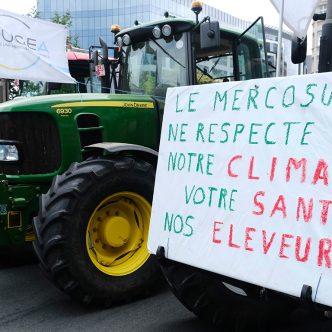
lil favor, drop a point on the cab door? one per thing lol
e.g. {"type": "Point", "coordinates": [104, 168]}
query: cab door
{"type": "Point", "coordinates": [251, 52]}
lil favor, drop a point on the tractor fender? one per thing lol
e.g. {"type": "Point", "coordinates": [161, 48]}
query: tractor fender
{"type": "Point", "coordinates": [139, 151]}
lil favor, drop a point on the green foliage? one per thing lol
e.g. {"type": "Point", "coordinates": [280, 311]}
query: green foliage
{"type": "Point", "coordinates": [33, 12]}
{"type": "Point", "coordinates": [149, 83]}
{"type": "Point", "coordinates": [13, 90]}
{"type": "Point", "coordinates": [66, 20]}
{"type": "Point", "coordinates": [30, 88]}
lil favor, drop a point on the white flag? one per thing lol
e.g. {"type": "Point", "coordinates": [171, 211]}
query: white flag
{"type": "Point", "coordinates": [32, 49]}
{"type": "Point", "coordinates": [297, 14]}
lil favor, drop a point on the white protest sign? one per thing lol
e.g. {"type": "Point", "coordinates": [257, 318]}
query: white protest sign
{"type": "Point", "coordinates": [32, 49]}
{"type": "Point", "coordinates": [243, 184]}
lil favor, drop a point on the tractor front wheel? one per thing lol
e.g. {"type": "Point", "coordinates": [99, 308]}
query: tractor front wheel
{"type": "Point", "coordinates": [92, 229]}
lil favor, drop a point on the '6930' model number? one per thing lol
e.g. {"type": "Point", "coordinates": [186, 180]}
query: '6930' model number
{"type": "Point", "coordinates": [64, 111]}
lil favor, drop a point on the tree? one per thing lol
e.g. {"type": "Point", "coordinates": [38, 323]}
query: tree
{"type": "Point", "coordinates": [33, 12]}
{"type": "Point", "coordinates": [66, 20]}
{"type": "Point", "coordinates": [13, 90]}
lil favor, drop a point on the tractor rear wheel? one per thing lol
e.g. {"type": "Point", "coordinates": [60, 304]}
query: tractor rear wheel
{"type": "Point", "coordinates": [223, 302]}
{"type": "Point", "coordinates": [92, 229]}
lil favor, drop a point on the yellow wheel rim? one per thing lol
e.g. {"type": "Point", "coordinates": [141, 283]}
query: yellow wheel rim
{"type": "Point", "coordinates": [117, 233]}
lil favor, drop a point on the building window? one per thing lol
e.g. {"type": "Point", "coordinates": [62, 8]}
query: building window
{"type": "Point", "coordinates": [321, 9]}
{"type": "Point", "coordinates": [319, 34]}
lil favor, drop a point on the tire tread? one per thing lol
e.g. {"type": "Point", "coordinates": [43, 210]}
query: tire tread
{"type": "Point", "coordinates": [57, 208]}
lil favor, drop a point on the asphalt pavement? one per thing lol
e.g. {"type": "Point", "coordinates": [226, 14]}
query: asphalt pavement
{"type": "Point", "coordinates": [29, 302]}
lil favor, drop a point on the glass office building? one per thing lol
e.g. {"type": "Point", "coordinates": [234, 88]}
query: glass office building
{"type": "Point", "coordinates": [94, 18]}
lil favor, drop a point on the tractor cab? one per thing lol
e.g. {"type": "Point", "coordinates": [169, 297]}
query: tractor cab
{"type": "Point", "coordinates": [177, 52]}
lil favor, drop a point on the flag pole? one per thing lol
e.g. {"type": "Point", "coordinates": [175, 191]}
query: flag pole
{"type": "Point", "coordinates": [281, 21]}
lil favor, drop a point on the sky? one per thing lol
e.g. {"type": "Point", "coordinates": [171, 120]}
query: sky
{"type": "Point", "coordinates": [18, 6]}
{"type": "Point", "coordinates": [250, 10]}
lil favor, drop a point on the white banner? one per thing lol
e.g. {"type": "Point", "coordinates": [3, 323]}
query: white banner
{"type": "Point", "coordinates": [32, 49]}
{"type": "Point", "coordinates": [297, 14]}
{"type": "Point", "coordinates": [243, 185]}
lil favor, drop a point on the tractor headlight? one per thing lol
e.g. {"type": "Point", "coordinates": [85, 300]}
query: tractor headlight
{"type": "Point", "coordinates": [156, 32]}
{"type": "Point", "coordinates": [126, 39]}
{"type": "Point", "coordinates": [166, 30]}
{"type": "Point", "coordinates": [8, 152]}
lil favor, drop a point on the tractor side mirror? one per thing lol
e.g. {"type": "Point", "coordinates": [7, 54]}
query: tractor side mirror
{"type": "Point", "coordinates": [299, 50]}
{"type": "Point", "coordinates": [210, 35]}
{"type": "Point", "coordinates": [105, 67]}
{"type": "Point", "coordinates": [95, 58]}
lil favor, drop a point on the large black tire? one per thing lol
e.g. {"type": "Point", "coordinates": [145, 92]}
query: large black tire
{"type": "Point", "coordinates": [91, 231]}
{"type": "Point", "coordinates": [224, 302]}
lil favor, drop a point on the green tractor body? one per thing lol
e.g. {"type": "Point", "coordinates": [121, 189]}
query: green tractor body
{"type": "Point", "coordinates": [52, 133]}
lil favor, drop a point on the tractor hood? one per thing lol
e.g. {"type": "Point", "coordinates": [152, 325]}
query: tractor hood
{"type": "Point", "coordinates": [54, 102]}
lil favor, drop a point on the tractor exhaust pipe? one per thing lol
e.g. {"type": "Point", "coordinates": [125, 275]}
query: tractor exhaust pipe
{"type": "Point", "coordinates": [325, 52]}
{"type": "Point", "coordinates": [105, 80]}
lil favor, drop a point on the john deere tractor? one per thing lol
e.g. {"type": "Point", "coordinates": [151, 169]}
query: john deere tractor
{"type": "Point", "coordinates": [83, 166]}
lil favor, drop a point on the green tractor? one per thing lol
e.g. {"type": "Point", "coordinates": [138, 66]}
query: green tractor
{"type": "Point", "coordinates": [81, 167]}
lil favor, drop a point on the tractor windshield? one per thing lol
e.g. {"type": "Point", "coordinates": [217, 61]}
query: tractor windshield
{"type": "Point", "coordinates": [215, 69]}
{"type": "Point", "coordinates": [150, 67]}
